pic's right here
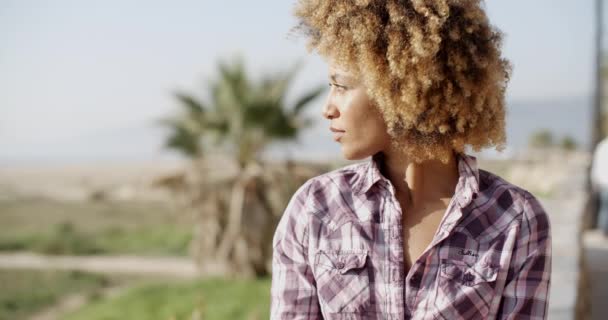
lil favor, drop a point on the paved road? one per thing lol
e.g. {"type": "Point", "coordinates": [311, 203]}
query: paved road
{"type": "Point", "coordinates": [565, 217]}
{"type": "Point", "coordinates": [596, 255]}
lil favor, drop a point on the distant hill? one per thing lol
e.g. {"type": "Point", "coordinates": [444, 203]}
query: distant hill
{"type": "Point", "coordinates": [563, 117]}
{"type": "Point", "coordinates": [143, 142]}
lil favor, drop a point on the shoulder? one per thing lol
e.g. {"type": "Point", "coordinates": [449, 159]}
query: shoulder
{"type": "Point", "coordinates": [316, 191]}
{"type": "Point", "coordinates": [503, 192]}
{"type": "Point", "coordinates": [513, 203]}
{"type": "Point", "coordinates": [515, 216]}
{"type": "Point", "coordinates": [342, 177]}
{"type": "Point", "coordinates": [313, 198]}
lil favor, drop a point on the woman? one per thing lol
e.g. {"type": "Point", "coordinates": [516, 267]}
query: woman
{"type": "Point", "coordinates": [417, 231]}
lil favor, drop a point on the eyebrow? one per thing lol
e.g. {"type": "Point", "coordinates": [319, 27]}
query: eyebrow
{"type": "Point", "coordinates": [335, 77]}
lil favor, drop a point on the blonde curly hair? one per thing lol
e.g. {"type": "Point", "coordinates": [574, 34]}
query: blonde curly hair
{"type": "Point", "coordinates": [432, 67]}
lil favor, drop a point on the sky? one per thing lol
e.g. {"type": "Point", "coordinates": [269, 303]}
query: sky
{"type": "Point", "coordinates": [87, 80]}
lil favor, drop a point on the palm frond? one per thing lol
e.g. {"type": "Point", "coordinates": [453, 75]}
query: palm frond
{"type": "Point", "coordinates": [242, 117]}
{"type": "Point", "coordinates": [307, 98]}
{"type": "Point", "coordinates": [184, 141]}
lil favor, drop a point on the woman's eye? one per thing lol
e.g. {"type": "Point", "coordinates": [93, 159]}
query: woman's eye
{"type": "Point", "coordinates": [337, 86]}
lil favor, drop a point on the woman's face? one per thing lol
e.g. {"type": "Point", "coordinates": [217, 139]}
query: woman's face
{"type": "Point", "coordinates": [356, 123]}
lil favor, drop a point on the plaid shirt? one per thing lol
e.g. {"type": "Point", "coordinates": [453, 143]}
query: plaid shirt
{"type": "Point", "coordinates": [338, 252]}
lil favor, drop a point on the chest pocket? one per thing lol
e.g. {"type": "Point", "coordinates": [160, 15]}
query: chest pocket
{"type": "Point", "coordinates": [465, 274]}
{"type": "Point", "coordinates": [465, 290]}
{"type": "Point", "coordinates": [342, 278]}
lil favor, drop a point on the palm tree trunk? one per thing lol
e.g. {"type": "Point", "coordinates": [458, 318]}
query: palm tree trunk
{"type": "Point", "coordinates": [233, 227]}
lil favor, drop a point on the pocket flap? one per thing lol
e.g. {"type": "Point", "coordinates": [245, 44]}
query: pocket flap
{"type": "Point", "coordinates": [467, 274]}
{"type": "Point", "coordinates": [342, 261]}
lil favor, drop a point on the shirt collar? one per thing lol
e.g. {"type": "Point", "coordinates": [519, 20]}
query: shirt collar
{"type": "Point", "coordinates": [468, 182]}
{"type": "Point", "coordinates": [369, 175]}
{"type": "Point", "coordinates": [466, 189]}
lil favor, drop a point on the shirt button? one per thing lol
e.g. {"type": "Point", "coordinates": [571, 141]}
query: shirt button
{"type": "Point", "coordinates": [468, 277]}
{"type": "Point", "coordinates": [414, 280]}
{"type": "Point", "coordinates": [340, 265]}
{"type": "Point", "coordinates": [396, 275]}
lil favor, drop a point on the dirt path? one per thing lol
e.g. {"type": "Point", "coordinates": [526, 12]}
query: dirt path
{"type": "Point", "coordinates": [168, 266]}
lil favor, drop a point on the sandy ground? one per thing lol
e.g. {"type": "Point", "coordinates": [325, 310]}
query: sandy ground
{"type": "Point", "coordinates": [77, 182]}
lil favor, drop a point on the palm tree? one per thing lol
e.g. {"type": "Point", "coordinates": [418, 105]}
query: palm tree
{"type": "Point", "coordinates": [243, 116]}
{"type": "Point", "coordinates": [241, 119]}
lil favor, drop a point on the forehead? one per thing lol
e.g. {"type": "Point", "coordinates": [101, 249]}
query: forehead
{"type": "Point", "coordinates": [340, 72]}
{"type": "Point", "coordinates": [337, 68]}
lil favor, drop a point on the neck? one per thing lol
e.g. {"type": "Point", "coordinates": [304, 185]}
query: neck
{"type": "Point", "coordinates": [417, 184]}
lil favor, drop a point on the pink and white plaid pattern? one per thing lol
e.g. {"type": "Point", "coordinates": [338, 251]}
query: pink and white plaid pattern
{"type": "Point", "coordinates": [338, 253]}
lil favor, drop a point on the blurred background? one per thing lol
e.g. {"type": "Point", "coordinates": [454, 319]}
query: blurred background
{"type": "Point", "coordinates": [148, 149]}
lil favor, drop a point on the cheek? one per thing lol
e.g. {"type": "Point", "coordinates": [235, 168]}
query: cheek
{"type": "Point", "coordinates": [375, 134]}
{"type": "Point", "coordinates": [368, 132]}
{"type": "Point", "coordinates": [357, 114]}
{"type": "Point", "coordinates": [365, 121]}
{"type": "Point", "coordinates": [365, 126]}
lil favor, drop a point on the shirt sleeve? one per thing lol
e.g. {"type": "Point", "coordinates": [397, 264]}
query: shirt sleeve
{"type": "Point", "coordinates": [526, 292]}
{"type": "Point", "coordinates": [293, 288]}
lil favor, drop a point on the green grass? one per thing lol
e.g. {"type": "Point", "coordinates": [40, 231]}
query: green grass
{"type": "Point", "coordinates": [80, 228]}
{"type": "Point", "coordinates": [212, 299]}
{"type": "Point", "coordinates": [65, 239]}
{"type": "Point", "coordinates": [26, 292]}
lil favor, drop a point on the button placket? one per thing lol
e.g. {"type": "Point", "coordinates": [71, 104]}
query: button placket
{"type": "Point", "coordinates": [395, 274]}
{"type": "Point", "coordinates": [416, 288]}
{"type": "Point", "coordinates": [395, 231]}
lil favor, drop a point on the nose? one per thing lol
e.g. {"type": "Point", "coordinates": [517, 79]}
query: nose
{"type": "Point", "coordinates": [330, 111]}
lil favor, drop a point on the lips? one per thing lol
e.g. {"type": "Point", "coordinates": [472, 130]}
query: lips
{"type": "Point", "coordinates": [338, 133]}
